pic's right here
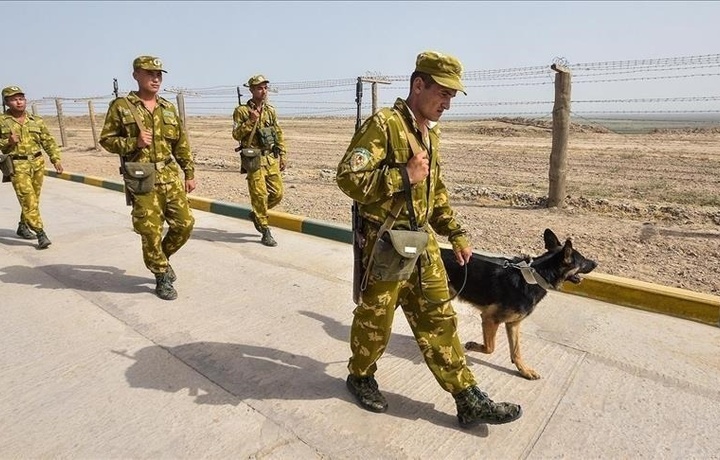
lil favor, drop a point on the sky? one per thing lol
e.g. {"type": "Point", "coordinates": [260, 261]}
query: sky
{"type": "Point", "coordinates": [75, 49]}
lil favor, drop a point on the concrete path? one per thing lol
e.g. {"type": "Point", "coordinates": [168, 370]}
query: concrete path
{"type": "Point", "coordinates": [249, 362]}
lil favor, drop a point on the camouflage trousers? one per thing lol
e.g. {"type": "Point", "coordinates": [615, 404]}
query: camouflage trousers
{"type": "Point", "coordinates": [27, 182]}
{"type": "Point", "coordinates": [166, 203]}
{"type": "Point", "coordinates": [434, 325]}
{"type": "Point", "coordinates": [266, 188]}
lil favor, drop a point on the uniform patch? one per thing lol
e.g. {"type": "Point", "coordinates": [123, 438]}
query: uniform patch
{"type": "Point", "coordinates": [359, 159]}
{"type": "Point", "coordinates": [168, 113]}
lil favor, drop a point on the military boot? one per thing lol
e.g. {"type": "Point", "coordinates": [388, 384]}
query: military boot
{"type": "Point", "coordinates": [267, 238]}
{"type": "Point", "coordinates": [365, 390]}
{"type": "Point", "coordinates": [171, 274]}
{"type": "Point", "coordinates": [43, 240]}
{"type": "Point", "coordinates": [475, 407]}
{"type": "Point", "coordinates": [163, 287]}
{"type": "Point", "coordinates": [24, 231]}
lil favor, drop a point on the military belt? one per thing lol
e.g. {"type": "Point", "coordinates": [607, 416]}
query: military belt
{"type": "Point", "coordinates": [26, 157]}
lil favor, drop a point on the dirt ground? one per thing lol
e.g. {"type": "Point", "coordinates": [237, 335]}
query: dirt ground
{"type": "Point", "coordinates": [644, 206]}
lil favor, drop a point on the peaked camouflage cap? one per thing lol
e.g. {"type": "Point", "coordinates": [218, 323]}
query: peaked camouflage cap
{"type": "Point", "coordinates": [148, 63]}
{"type": "Point", "coordinates": [446, 70]}
{"type": "Point", "coordinates": [11, 91]}
{"type": "Point", "coordinates": [256, 80]}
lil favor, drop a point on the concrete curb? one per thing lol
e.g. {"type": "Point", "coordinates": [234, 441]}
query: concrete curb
{"type": "Point", "coordinates": [681, 303]}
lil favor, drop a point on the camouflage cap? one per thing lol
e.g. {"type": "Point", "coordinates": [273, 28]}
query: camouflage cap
{"type": "Point", "coordinates": [148, 63]}
{"type": "Point", "coordinates": [444, 69]}
{"type": "Point", "coordinates": [256, 80]}
{"type": "Point", "coordinates": [11, 91]}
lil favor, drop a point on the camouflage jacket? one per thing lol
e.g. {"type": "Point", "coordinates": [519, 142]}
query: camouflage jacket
{"type": "Point", "coordinates": [369, 174]}
{"type": "Point", "coordinates": [120, 132]}
{"type": "Point", "coordinates": [33, 133]}
{"type": "Point", "coordinates": [243, 126]}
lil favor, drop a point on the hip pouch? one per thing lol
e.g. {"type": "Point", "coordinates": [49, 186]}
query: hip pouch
{"type": "Point", "coordinates": [396, 253]}
{"type": "Point", "coordinates": [6, 166]}
{"type": "Point", "coordinates": [250, 160]}
{"type": "Point", "coordinates": [139, 178]}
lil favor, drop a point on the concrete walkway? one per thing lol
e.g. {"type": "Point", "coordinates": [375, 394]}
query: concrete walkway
{"type": "Point", "coordinates": [249, 362]}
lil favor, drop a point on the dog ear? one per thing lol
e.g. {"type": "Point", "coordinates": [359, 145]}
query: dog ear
{"type": "Point", "coordinates": [568, 251]}
{"type": "Point", "coordinates": [551, 241]}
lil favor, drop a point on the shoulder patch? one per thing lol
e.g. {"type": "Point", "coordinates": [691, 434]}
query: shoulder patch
{"type": "Point", "coordinates": [359, 159]}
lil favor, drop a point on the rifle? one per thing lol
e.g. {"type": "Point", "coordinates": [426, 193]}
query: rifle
{"type": "Point", "coordinates": [239, 147]}
{"type": "Point", "coordinates": [358, 239]}
{"type": "Point", "coordinates": [128, 195]}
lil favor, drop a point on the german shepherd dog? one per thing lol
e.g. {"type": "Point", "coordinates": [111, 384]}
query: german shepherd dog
{"type": "Point", "coordinates": [500, 289]}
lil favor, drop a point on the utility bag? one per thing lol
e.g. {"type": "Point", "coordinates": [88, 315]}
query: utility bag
{"type": "Point", "coordinates": [395, 254]}
{"type": "Point", "coordinates": [6, 166]}
{"type": "Point", "coordinates": [250, 160]}
{"type": "Point", "coordinates": [139, 178]}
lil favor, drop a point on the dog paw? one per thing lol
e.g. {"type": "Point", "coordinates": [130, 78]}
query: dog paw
{"type": "Point", "coordinates": [474, 346]}
{"type": "Point", "coordinates": [529, 374]}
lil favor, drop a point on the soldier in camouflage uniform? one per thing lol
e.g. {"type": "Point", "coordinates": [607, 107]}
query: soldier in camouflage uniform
{"type": "Point", "coordinates": [22, 136]}
{"type": "Point", "coordinates": [255, 125]}
{"type": "Point", "coordinates": [162, 141]}
{"type": "Point", "coordinates": [370, 173]}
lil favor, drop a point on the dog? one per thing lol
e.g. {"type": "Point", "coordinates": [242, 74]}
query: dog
{"type": "Point", "coordinates": [499, 288]}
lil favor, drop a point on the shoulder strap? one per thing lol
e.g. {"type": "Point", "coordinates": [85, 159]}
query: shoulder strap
{"type": "Point", "coordinates": [133, 110]}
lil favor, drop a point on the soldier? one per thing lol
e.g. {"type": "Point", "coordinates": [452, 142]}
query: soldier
{"type": "Point", "coordinates": [394, 159]}
{"type": "Point", "coordinates": [255, 126]}
{"type": "Point", "coordinates": [143, 127]}
{"type": "Point", "coordinates": [22, 135]}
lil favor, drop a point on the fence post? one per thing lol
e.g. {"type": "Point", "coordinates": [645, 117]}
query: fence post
{"type": "Point", "coordinates": [91, 110]}
{"type": "Point", "coordinates": [560, 132]}
{"type": "Point", "coordinates": [33, 108]}
{"type": "Point", "coordinates": [181, 106]}
{"type": "Point", "coordinates": [374, 90]}
{"type": "Point", "coordinates": [61, 122]}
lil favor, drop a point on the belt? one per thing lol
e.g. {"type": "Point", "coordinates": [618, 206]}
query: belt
{"type": "Point", "coordinates": [26, 157]}
{"type": "Point", "coordinates": [159, 165]}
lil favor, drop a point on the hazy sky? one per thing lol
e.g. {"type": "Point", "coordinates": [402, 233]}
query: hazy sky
{"type": "Point", "coordinates": [75, 49]}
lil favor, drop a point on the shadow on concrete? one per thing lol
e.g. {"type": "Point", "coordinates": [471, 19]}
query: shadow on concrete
{"type": "Point", "coordinates": [95, 278]}
{"type": "Point", "coordinates": [223, 236]}
{"type": "Point", "coordinates": [234, 373]}
{"type": "Point", "coordinates": [10, 238]}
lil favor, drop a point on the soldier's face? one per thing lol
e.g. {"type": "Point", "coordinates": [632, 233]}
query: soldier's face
{"type": "Point", "coordinates": [433, 100]}
{"type": "Point", "coordinates": [259, 92]}
{"type": "Point", "coordinates": [17, 102]}
{"type": "Point", "coordinates": [148, 80]}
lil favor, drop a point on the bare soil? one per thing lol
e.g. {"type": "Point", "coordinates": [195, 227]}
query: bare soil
{"type": "Point", "coordinates": [644, 206]}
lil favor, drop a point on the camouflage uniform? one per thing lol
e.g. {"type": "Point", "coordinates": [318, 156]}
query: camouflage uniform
{"type": "Point", "coordinates": [367, 173]}
{"type": "Point", "coordinates": [168, 201]}
{"type": "Point", "coordinates": [27, 160]}
{"type": "Point", "coordinates": [264, 185]}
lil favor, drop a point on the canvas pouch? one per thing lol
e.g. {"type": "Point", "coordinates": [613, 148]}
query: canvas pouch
{"type": "Point", "coordinates": [395, 254]}
{"type": "Point", "coordinates": [139, 178]}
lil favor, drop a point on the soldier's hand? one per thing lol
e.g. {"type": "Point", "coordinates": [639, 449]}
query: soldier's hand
{"type": "Point", "coordinates": [58, 167]}
{"type": "Point", "coordinates": [254, 115]}
{"type": "Point", "coordinates": [189, 185]}
{"type": "Point", "coordinates": [144, 138]}
{"type": "Point", "coordinates": [14, 139]}
{"type": "Point", "coordinates": [463, 255]}
{"type": "Point", "coordinates": [418, 167]}
{"type": "Point", "coordinates": [283, 164]}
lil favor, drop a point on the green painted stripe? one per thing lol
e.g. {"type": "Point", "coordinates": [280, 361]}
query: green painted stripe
{"type": "Point", "coordinates": [327, 230]}
{"type": "Point", "coordinates": [230, 210]}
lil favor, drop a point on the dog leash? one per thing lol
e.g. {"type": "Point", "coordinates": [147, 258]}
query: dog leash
{"type": "Point", "coordinates": [530, 275]}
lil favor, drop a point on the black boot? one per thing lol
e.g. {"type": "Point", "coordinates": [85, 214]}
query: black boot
{"type": "Point", "coordinates": [475, 407]}
{"type": "Point", "coordinates": [365, 390]}
{"type": "Point", "coordinates": [171, 274]}
{"type": "Point", "coordinates": [267, 238]}
{"type": "Point", "coordinates": [24, 231]}
{"type": "Point", "coordinates": [43, 240]}
{"type": "Point", "coordinates": [163, 287]}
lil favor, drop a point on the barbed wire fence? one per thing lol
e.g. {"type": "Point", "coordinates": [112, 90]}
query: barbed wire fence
{"type": "Point", "coordinates": [631, 88]}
